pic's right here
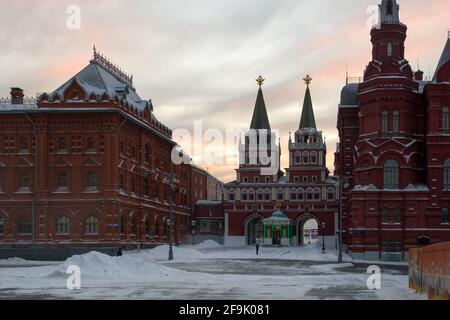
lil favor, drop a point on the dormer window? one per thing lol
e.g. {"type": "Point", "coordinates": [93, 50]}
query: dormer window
{"type": "Point", "coordinates": [75, 95]}
{"type": "Point", "coordinates": [390, 8]}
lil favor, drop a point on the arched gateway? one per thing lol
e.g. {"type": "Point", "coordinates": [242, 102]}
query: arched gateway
{"type": "Point", "coordinates": [307, 230]}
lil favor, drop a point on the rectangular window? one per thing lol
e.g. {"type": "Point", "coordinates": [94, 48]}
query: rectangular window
{"type": "Point", "coordinates": [445, 120]}
{"type": "Point", "coordinates": [385, 216]}
{"type": "Point", "coordinates": [398, 216]}
{"type": "Point", "coordinates": [396, 122]}
{"type": "Point", "coordinates": [444, 216]}
{"type": "Point", "coordinates": [385, 123]}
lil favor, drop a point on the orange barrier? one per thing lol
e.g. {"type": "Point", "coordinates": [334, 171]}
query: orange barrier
{"type": "Point", "coordinates": [429, 271]}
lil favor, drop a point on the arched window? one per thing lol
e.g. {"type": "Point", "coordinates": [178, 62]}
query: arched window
{"type": "Point", "coordinates": [133, 225]}
{"type": "Point", "coordinates": [251, 195]}
{"type": "Point", "coordinates": [24, 180]}
{"type": "Point", "coordinates": [305, 157]}
{"type": "Point", "coordinates": [313, 157]}
{"type": "Point", "coordinates": [2, 225]}
{"type": "Point", "coordinates": [62, 180]}
{"type": "Point", "coordinates": [244, 195]}
{"type": "Point", "coordinates": [24, 226]}
{"type": "Point", "coordinates": [23, 145]}
{"type": "Point", "coordinates": [389, 49]}
{"type": "Point", "coordinates": [280, 194]}
{"type": "Point", "coordinates": [447, 175]}
{"type": "Point", "coordinates": [391, 175]}
{"type": "Point", "coordinates": [445, 120]}
{"type": "Point", "coordinates": [298, 158]}
{"type": "Point", "coordinates": [92, 180]}
{"type": "Point", "coordinates": [301, 194]}
{"type": "Point", "coordinates": [260, 195]}
{"type": "Point", "coordinates": [396, 122]}
{"type": "Point", "coordinates": [267, 195]}
{"type": "Point", "coordinates": [91, 144]}
{"type": "Point", "coordinates": [389, 8]}
{"type": "Point", "coordinates": [330, 194]}
{"type": "Point", "coordinates": [385, 122]}
{"type": "Point", "coordinates": [91, 226]}
{"type": "Point", "coordinates": [293, 194]}
{"type": "Point", "coordinates": [63, 226]}
{"type": "Point", "coordinates": [316, 194]}
{"type": "Point", "coordinates": [309, 194]}
{"type": "Point", "coordinates": [231, 195]}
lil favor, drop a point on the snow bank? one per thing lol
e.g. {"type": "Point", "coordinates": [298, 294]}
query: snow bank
{"type": "Point", "coordinates": [208, 244]}
{"type": "Point", "coordinates": [179, 253]}
{"type": "Point", "coordinates": [12, 261]}
{"type": "Point", "coordinates": [95, 265]}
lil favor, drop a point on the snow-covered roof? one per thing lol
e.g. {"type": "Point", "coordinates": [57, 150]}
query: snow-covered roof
{"type": "Point", "coordinates": [17, 107]}
{"type": "Point", "coordinates": [96, 79]}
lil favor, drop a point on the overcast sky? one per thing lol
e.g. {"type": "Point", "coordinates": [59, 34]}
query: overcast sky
{"type": "Point", "coordinates": [197, 59]}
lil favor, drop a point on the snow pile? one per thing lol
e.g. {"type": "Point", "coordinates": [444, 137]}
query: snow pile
{"type": "Point", "coordinates": [95, 265]}
{"type": "Point", "coordinates": [179, 253]}
{"type": "Point", "coordinates": [208, 244]}
{"type": "Point", "coordinates": [12, 261]}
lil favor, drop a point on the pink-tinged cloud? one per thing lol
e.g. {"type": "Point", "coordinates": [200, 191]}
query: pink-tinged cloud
{"type": "Point", "coordinates": [197, 59]}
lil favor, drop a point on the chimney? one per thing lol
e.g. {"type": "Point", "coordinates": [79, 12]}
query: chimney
{"type": "Point", "coordinates": [16, 96]}
{"type": "Point", "coordinates": [418, 75]}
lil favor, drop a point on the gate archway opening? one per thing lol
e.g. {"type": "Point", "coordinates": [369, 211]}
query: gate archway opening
{"type": "Point", "coordinates": [307, 231]}
{"type": "Point", "coordinates": [254, 230]}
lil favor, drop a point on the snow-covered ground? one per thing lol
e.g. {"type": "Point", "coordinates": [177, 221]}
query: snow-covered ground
{"type": "Point", "coordinates": [206, 271]}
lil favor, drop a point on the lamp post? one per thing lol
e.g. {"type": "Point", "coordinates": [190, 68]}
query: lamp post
{"type": "Point", "coordinates": [323, 238]}
{"type": "Point", "coordinates": [172, 182]}
{"type": "Point", "coordinates": [194, 223]}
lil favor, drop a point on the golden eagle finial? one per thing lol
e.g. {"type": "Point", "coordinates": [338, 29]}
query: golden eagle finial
{"type": "Point", "coordinates": [260, 81]}
{"type": "Point", "coordinates": [307, 79]}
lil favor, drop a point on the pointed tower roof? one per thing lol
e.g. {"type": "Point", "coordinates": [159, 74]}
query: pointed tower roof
{"type": "Point", "coordinates": [260, 120]}
{"type": "Point", "coordinates": [444, 57]}
{"type": "Point", "coordinates": [389, 10]}
{"type": "Point", "coordinates": [307, 121]}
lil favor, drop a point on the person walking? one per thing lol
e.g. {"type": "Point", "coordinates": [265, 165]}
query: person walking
{"type": "Point", "coordinates": [257, 248]}
{"type": "Point", "coordinates": [119, 253]}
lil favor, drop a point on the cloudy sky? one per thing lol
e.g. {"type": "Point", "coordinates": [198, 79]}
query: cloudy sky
{"type": "Point", "coordinates": [197, 59]}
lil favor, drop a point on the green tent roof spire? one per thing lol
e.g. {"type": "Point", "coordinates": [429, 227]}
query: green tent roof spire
{"type": "Point", "coordinates": [260, 120]}
{"type": "Point", "coordinates": [307, 120]}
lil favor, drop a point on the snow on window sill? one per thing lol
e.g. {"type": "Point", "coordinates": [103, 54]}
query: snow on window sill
{"type": "Point", "coordinates": [24, 191]}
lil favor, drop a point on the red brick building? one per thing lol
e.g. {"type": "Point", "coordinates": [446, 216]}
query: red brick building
{"type": "Point", "coordinates": [86, 164]}
{"type": "Point", "coordinates": [394, 151]}
{"type": "Point", "coordinates": [273, 207]}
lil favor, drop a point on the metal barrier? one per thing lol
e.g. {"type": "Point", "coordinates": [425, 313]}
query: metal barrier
{"type": "Point", "coordinates": [429, 271]}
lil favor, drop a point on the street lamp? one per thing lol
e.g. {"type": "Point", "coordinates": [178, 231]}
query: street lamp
{"type": "Point", "coordinates": [194, 223]}
{"type": "Point", "coordinates": [323, 238]}
{"type": "Point", "coordinates": [172, 182]}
